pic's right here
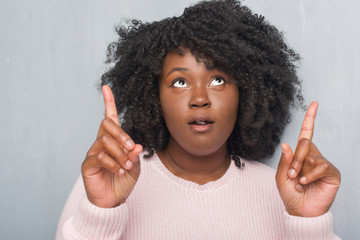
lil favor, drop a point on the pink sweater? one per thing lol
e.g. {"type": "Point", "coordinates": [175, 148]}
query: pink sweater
{"type": "Point", "coordinates": [242, 204]}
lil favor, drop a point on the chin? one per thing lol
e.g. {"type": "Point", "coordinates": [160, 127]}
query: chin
{"type": "Point", "coordinates": [204, 149]}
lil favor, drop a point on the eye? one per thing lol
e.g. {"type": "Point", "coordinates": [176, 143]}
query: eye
{"type": "Point", "coordinates": [179, 83]}
{"type": "Point", "coordinates": [217, 81]}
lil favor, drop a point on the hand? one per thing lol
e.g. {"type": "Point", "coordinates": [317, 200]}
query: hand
{"type": "Point", "coordinates": [111, 167]}
{"type": "Point", "coordinates": [307, 181]}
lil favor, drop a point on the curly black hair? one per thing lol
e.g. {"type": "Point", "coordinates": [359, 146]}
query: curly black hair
{"type": "Point", "coordinates": [233, 40]}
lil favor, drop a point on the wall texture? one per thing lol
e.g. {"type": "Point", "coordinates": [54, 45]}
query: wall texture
{"type": "Point", "coordinates": [52, 54]}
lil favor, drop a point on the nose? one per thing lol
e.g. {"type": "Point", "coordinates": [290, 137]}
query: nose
{"type": "Point", "coordinates": [199, 98]}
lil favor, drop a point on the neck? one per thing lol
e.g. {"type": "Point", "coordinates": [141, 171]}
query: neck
{"type": "Point", "coordinates": [196, 168]}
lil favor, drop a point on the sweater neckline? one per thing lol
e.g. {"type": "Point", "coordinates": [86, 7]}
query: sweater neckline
{"type": "Point", "coordinates": [227, 177]}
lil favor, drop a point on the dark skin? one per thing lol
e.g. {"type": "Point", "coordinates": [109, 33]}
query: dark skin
{"type": "Point", "coordinates": [306, 180]}
{"type": "Point", "coordinates": [200, 112]}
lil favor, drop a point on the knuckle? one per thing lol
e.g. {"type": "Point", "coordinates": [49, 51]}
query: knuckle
{"type": "Point", "coordinates": [105, 121]}
{"type": "Point", "coordinates": [124, 136]}
{"type": "Point", "coordinates": [100, 157]}
{"type": "Point", "coordinates": [304, 141]}
{"type": "Point", "coordinates": [306, 129]}
{"type": "Point", "coordinates": [104, 139]}
{"type": "Point", "coordinates": [118, 155]}
{"type": "Point", "coordinates": [325, 166]}
{"type": "Point", "coordinates": [309, 159]}
{"type": "Point", "coordinates": [296, 162]}
{"type": "Point", "coordinates": [121, 157]}
{"type": "Point", "coordinates": [112, 165]}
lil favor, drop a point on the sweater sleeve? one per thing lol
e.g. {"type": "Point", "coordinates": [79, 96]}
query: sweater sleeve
{"type": "Point", "coordinates": [309, 228]}
{"type": "Point", "coordinates": [81, 219]}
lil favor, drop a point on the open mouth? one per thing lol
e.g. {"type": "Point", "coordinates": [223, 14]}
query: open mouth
{"type": "Point", "coordinates": [201, 126]}
{"type": "Point", "coordinates": [200, 122]}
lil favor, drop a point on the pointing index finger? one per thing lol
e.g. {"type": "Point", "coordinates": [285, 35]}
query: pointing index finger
{"type": "Point", "coordinates": [307, 127]}
{"type": "Point", "coordinates": [110, 107]}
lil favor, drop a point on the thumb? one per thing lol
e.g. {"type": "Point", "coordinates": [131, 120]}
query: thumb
{"type": "Point", "coordinates": [284, 164]}
{"type": "Point", "coordinates": [134, 158]}
{"type": "Point", "coordinates": [134, 153]}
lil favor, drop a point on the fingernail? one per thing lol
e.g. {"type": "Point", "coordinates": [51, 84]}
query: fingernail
{"type": "Point", "coordinates": [299, 187]}
{"type": "Point", "coordinates": [282, 148]}
{"type": "Point", "coordinates": [303, 180]}
{"type": "Point", "coordinates": [129, 143]}
{"type": "Point", "coordinates": [121, 171]}
{"type": "Point", "coordinates": [292, 172]}
{"type": "Point", "coordinates": [128, 164]}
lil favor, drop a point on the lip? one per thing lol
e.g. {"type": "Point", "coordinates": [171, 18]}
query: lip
{"type": "Point", "coordinates": [206, 121]}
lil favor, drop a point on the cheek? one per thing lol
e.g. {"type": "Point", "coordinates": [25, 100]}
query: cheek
{"type": "Point", "coordinates": [229, 103]}
{"type": "Point", "coordinates": [173, 117]}
{"type": "Point", "coordinates": [229, 111]}
{"type": "Point", "coordinates": [172, 108]}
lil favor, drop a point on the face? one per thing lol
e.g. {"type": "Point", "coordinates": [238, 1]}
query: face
{"type": "Point", "coordinates": [199, 105]}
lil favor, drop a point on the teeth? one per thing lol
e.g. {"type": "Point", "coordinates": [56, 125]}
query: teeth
{"type": "Point", "coordinates": [201, 122]}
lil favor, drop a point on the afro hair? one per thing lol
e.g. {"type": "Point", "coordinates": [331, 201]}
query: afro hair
{"type": "Point", "coordinates": [235, 41]}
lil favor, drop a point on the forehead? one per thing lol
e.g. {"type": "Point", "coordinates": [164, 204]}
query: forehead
{"type": "Point", "coordinates": [185, 58]}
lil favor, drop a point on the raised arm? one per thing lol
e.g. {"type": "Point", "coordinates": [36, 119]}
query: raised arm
{"type": "Point", "coordinates": [306, 180]}
{"type": "Point", "coordinates": [111, 167]}
{"type": "Point", "coordinates": [109, 173]}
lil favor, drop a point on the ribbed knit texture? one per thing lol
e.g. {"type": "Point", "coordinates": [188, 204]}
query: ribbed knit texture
{"type": "Point", "coordinates": [242, 204]}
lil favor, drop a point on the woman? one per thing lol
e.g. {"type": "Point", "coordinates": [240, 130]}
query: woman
{"type": "Point", "coordinates": [204, 95]}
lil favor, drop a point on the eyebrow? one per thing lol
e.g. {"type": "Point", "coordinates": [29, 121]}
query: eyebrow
{"type": "Point", "coordinates": [176, 69]}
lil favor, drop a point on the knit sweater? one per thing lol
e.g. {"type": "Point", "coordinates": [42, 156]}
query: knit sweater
{"type": "Point", "coordinates": [243, 204]}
